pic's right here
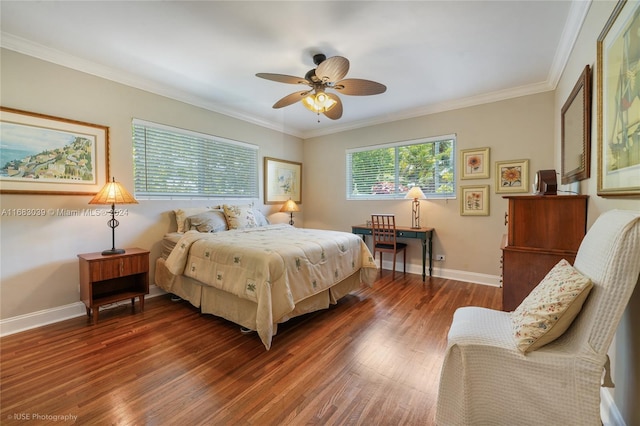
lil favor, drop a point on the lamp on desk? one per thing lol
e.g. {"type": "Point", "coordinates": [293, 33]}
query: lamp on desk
{"type": "Point", "coordinates": [289, 207]}
{"type": "Point", "coordinates": [113, 193]}
{"type": "Point", "coordinates": [416, 194]}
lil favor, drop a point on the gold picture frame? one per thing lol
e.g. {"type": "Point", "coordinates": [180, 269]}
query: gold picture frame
{"type": "Point", "coordinates": [282, 181]}
{"type": "Point", "coordinates": [512, 176]}
{"type": "Point", "coordinates": [618, 116]}
{"type": "Point", "coordinates": [474, 163]}
{"type": "Point", "coordinates": [47, 155]}
{"type": "Point", "coordinates": [474, 200]}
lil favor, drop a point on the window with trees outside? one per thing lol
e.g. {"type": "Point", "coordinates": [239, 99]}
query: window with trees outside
{"type": "Point", "coordinates": [175, 163]}
{"type": "Point", "coordinates": [388, 171]}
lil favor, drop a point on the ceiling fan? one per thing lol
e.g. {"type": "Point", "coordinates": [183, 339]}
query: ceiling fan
{"type": "Point", "coordinates": [329, 74]}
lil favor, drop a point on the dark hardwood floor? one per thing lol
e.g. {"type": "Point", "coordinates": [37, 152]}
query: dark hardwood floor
{"type": "Point", "coordinates": [373, 359]}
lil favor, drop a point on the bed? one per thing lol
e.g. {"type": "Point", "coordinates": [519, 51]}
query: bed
{"type": "Point", "coordinates": [231, 263]}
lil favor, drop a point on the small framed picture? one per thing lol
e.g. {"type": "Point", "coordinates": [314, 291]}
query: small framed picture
{"type": "Point", "coordinates": [512, 176]}
{"type": "Point", "coordinates": [474, 163]}
{"type": "Point", "coordinates": [474, 200]}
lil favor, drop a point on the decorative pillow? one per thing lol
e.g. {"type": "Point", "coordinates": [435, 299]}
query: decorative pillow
{"type": "Point", "coordinates": [183, 214]}
{"type": "Point", "coordinates": [261, 220]}
{"type": "Point", "coordinates": [548, 311]}
{"type": "Point", "coordinates": [239, 217]}
{"type": "Point", "coordinates": [210, 221]}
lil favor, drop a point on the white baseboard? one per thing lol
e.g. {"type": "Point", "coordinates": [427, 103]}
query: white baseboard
{"type": "Point", "coordinates": [49, 316]}
{"type": "Point", "coordinates": [450, 274]}
{"type": "Point", "coordinates": [609, 412]}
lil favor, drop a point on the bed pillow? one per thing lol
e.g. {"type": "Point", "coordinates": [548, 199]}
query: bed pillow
{"type": "Point", "coordinates": [548, 311]}
{"type": "Point", "coordinates": [261, 220]}
{"type": "Point", "coordinates": [210, 221]}
{"type": "Point", "coordinates": [239, 217]}
{"type": "Point", "coordinates": [183, 214]}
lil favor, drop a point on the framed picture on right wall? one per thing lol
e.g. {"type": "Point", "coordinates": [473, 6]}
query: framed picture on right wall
{"type": "Point", "coordinates": [619, 102]}
{"type": "Point", "coordinates": [512, 176]}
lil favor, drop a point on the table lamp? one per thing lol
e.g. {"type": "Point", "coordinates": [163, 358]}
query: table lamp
{"type": "Point", "coordinates": [113, 193]}
{"type": "Point", "coordinates": [289, 207]}
{"type": "Point", "coordinates": [416, 194]}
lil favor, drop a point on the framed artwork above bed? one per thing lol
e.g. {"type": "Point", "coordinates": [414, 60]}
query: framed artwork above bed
{"type": "Point", "coordinates": [42, 154]}
{"type": "Point", "coordinates": [282, 181]}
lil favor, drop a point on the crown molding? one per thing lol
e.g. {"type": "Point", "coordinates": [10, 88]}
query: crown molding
{"type": "Point", "coordinates": [48, 54]}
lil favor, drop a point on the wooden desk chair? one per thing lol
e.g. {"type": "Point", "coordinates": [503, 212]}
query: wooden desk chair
{"type": "Point", "coordinates": [383, 228]}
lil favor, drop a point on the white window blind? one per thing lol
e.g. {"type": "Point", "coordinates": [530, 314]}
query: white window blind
{"type": "Point", "coordinates": [388, 171]}
{"type": "Point", "coordinates": [171, 162]}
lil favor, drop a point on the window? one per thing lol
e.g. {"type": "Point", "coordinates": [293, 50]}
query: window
{"type": "Point", "coordinates": [170, 162]}
{"type": "Point", "coordinates": [389, 171]}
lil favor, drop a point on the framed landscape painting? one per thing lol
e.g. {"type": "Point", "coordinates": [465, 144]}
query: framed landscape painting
{"type": "Point", "coordinates": [282, 180]}
{"type": "Point", "coordinates": [42, 154]}
{"type": "Point", "coordinates": [618, 86]}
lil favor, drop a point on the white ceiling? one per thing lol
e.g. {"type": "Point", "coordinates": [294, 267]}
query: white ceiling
{"type": "Point", "coordinates": [432, 55]}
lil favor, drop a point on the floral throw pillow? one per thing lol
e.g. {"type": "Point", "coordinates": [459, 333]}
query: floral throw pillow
{"type": "Point", "coordinates": [239, 217]}
{"type": "Point", "coordinates": [548, 311]}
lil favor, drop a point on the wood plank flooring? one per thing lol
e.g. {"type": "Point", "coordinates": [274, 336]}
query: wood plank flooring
{"type": "Point", "coordinates": [373, 359]}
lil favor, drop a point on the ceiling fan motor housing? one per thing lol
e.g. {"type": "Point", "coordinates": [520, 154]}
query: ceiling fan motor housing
{"type": "Point", "coordinates": [311, 77]}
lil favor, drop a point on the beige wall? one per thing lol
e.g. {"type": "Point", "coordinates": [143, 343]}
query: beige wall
{"type": "Point", "coordinates": [39, 267]}
{"type": "Point", "coordinates": [519, 128]}
{"type": "Point", "coordinates": [38, 263]}
{"type": "Point", "coordinates": [625, 350]}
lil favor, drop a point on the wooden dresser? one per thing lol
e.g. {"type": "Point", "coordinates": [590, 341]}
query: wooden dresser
{"type": "Point", "coordinates": [541, 230]}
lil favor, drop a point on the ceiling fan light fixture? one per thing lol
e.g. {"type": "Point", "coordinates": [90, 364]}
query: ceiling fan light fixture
{"type": "Point", "coordinates": [329, 74]}
{"type": "Point", "coordinates": [318, 102]}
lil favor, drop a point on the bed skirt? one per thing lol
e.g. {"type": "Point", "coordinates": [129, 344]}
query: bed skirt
{"type": "Point", "coordinates": [244, 312]}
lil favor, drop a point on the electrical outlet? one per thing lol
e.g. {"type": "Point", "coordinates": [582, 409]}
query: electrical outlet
{"type": "Point", "coordinates": [439, 257]}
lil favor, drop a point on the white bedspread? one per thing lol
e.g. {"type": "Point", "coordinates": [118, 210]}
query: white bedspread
{"type": "Point", "coordinates": [275, 266]}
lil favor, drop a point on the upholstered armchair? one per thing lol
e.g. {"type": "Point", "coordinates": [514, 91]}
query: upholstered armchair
{"type": "Point", "coordinates": [493, 373]}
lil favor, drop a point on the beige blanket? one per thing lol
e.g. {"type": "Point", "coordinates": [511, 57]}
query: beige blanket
{"type": "Point", "coordinates": [274, 266]}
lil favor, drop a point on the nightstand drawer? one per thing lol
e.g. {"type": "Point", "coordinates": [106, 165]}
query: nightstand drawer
{"type": "Point", "coordinates": [119, 267]}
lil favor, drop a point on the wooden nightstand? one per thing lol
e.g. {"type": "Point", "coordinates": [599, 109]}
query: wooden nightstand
{"type": "Point", "coordinates": [109, 279]}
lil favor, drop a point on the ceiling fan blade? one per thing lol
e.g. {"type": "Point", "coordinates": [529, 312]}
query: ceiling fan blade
{"type": "Point", "coordinates": [282, 78]}
{"type": "Point", "coordinates": [335, 112]}
{"type": "Point", "coordinates": [333, 69]}
{"type": "Point", "coordinates": [291, 99]}
{"type": "Point", "coordinates": [359, 87]}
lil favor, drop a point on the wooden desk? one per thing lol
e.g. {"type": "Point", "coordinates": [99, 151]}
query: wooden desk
{"type": "Point", "coordinates": [423, 234]}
